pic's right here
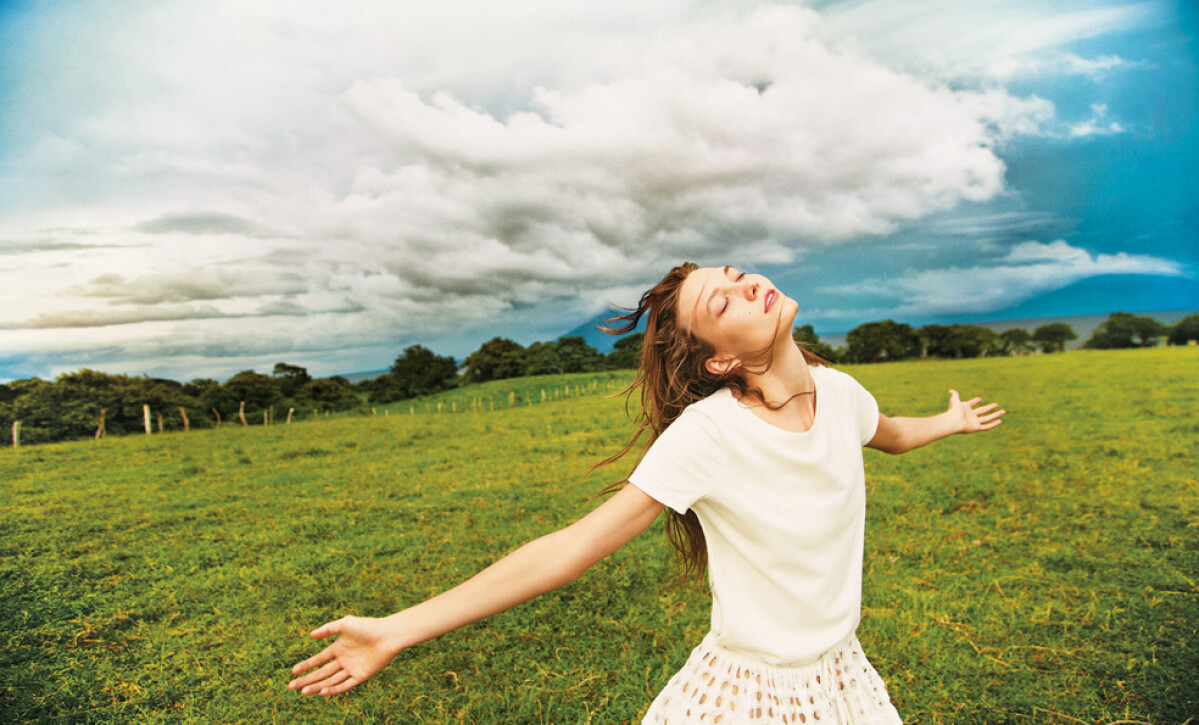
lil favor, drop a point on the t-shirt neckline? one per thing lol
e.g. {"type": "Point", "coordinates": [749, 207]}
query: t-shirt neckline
{"type": "Point", "coordinates": [815, 419]}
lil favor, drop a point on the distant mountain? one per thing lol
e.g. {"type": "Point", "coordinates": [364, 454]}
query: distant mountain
{"type": "Point", "coordinates": [596, 338]}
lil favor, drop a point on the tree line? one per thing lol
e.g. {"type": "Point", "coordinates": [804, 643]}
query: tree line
{"type": "Point", "coordinates": [74, 405]}
{"type": "Point", "coordinates": [89, 403]}
{"type": "Point", "coordinates": [420, 371]}
{"type": "Point", "coordinates": [889, 340]}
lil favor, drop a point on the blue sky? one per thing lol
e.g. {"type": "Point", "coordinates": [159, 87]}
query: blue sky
{"type": "Point", "coordinates": [192, 189]}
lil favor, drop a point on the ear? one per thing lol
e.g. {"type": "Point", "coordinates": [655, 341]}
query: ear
{"type": "Point", "coordinates": [721, 366]}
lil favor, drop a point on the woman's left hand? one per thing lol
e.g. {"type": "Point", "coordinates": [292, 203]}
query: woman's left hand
{"type": "Point", "coordinates": [360, 651]}
{"type": "Point", "coordinates": [974, 417]}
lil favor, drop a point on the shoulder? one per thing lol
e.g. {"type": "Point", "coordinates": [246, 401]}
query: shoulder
{"type": "Point", "coordinates": [836, 378]}
{"type": "Point", "coordinates": [711, 406]}
{"type": "Point", "coordinates": [703, 421]}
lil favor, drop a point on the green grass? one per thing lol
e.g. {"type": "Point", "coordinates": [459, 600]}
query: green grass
{"type": "Point", "coordinates": [1042, 573]}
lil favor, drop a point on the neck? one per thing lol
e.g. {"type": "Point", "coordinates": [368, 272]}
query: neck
{"type": "Point", "coordinates": [787, 376]}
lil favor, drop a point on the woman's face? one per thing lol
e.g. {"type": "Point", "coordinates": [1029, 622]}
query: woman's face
{"type": "Point", "coordinates": [741, 315]}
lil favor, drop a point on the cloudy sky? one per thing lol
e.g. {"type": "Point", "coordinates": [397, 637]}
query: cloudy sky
{"type": "Point", "coordinates": [190, 189]}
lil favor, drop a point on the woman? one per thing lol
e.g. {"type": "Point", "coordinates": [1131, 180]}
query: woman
{"type": "Point", "coordinates": [755, 447]}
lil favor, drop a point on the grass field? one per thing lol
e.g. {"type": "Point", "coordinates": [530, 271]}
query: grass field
{"type": "Point", "coordinates": [1042, 573]}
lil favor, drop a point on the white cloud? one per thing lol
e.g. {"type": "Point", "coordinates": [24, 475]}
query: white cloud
{"type": "Point", "coordinates": [995, 40]}
{"type": "Point", "coordinates": [1028, 269]}
{"type": "Point", "coordinates": [1097, 124]}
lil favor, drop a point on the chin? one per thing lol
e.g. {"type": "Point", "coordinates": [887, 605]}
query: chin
{"type": "Point", "coordinates": [788, 312]}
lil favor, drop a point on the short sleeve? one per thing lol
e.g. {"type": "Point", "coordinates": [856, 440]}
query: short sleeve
{"type": "Point", "coordinates": [856, 400]}
{"type": "Point", "coordinates": [680, 467]}
{"type": "Point", "coordinates": [867, 410]}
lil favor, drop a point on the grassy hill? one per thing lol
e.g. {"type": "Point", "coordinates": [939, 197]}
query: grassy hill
{"type": "Point", "coordinates": [1044, 572]}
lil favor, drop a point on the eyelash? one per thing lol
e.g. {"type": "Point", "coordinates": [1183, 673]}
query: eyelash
{"type": "Point", "coordinates": [726, 297]}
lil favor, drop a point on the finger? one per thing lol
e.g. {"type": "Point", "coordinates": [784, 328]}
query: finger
{"type": "Point", "coordinates": [989, 426]}
{"type": "Point", "coordinates": [973, 402]}
{"type": "Point", "coordinates": [318, 659]}
{"type": "Point", "coordinates": [993, 416]}
{"type": "Point", "coordinates": [322, 688]}
{"type": "Point", "coordinates": [953, 396]}
{"type": "Point", "coordinates": [986, 408]}
{"type": "Point", "coordinates": [320, 685]}
{"type": "Point", "coordinates": [341, 688]}
{"type": "Point", "coordinates": [327, 629]}
{"type": "Point", "coordinates": [315, 676]}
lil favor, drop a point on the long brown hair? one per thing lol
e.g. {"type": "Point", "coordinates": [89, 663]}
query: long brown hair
{"type": "Point", "coordinates": [671, 374]}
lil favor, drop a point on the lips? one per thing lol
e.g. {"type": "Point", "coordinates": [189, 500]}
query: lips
{"type": "Point", "coordinates": [771, 296]}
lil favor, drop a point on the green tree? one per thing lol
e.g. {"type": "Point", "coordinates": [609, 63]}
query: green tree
{"type": "Point", "coordinates": [958, 341]}
{"type": "Point", "coordinates": [497, 359]}
{"type": "Point", "coordinates": [626, 353]}
{"type": "Point", "coordinates": [975, 340]}
{"type": "Point", "coordinates": [333, 393]}
{"type": "Point", "coordinates": [807, 338]}
{"type": "Point", "coordinates": [1124, 330]}
{"type": "Point", "coordinates": [259, 392]}
{"type": "Point", "coordinates": [1054, 336]}
{"type": "Point", "coordinates": [69, 408]}
{"type": "Point", "coordinates": [419, 371]}
{"type": "Point", "coordinates": [1016, 341]}
{"type": "Point", "coordinates": [211, 395]}
{"type": "Point", "coordinates": [576, 356]}
{"type": "Point", "coordinates": [541, 358]}
{"type": "Point", "coordinates": [291, 378]}
{"type": "Point", "coordinates": [1185, 330]}
{"type": "Point", "coordinates": [7, 396]}
{"type": "Point", "coordinates": [886, 340]}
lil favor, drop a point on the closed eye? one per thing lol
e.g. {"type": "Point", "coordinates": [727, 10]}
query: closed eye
{"type": "Point", "coordinates": [726, 297]}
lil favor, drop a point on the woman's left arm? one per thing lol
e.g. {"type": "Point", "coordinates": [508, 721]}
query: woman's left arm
{"type": "Point", "coordinates": [900, 435]}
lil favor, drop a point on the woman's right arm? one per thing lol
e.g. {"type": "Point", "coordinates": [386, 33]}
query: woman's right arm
{"type": "Point", "coordinates": [366, 645]}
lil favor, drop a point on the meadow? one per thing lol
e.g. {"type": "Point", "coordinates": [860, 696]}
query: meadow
{"type": "Point", "coordinates": [1041, 573]}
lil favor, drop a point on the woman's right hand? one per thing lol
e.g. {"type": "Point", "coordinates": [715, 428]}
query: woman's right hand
{"type": "Point", "coordinates": [361, 650]}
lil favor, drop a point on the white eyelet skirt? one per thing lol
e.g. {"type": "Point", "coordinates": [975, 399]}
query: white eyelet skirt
{"type": "Point", "coordinates": [720, 687]}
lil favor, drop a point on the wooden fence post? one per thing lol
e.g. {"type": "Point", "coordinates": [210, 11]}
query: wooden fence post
{"type": "Point", "coordinates": [160, 428]}
{"type": "Point", "coordinates": [264, 418]}
{"type": "Point", "coordinates": [241, 413]}
{"type": "Point", "coordinates": [186, 423]}
{"type": "Point", "coordinates": [100, 428]}
{"type": "Point", "coordinates": [289, 412]}
{"type": "Point", "coordinates": [271, 417]}
{"type": "Point", "coordinates": [16, 434]}
{"type": "Point", "coordinates": [146, 417]}
{"type": "Point", "coordinates": [217, 413]}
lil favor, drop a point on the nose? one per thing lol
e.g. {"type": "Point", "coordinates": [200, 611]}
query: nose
{"type": "Point", "coordinates": [753, 291]}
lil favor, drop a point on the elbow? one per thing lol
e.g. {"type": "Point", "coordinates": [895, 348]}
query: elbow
{"type": "Point", "coordinates": [568, 561]}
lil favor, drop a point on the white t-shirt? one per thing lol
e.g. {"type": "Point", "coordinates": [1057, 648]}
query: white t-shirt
{"type": "Point", "coordinates": [783, 513]}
